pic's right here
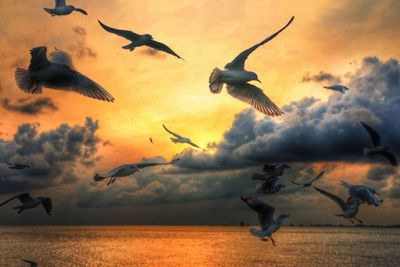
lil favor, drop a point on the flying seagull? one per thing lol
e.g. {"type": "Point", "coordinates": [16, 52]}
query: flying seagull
{"type": "Point", "coordinates": [126, 170]}
{"type": "Point", "coordinates": [349, 208]}
{"type": "Point", "coordinates": [377, 148]}
{"type": "Point", "coordinates": [270, 171]}
{"type": "Point", "coordinates": [29, 203]}
{"type": "Point", "coordinates": [56, 73]}
{"type": "Point", "coordinates": [139, 40]}
{"type": "Point", "coordinates": [180, 139]}
{"type": "Point", "coordinates": [268, 225]}
{"type": "Point", "coordinates": [31, 263]}
{"type": "Point", "coordinates": [308, 184]}
{"type": "Point", "coordinates": [17, 166]}
{"type": "Point", "coordinates": [61, 9]}
{"type": "Point", "coordinates": [363, 193]}
{"type": "Point", "coordinates": [236, 79]}
{"type": "Point", "coordinates": [269, 186]}
{"type": "Point", "coordinates": [337, 87]}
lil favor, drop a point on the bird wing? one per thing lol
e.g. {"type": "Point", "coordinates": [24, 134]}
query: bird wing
{"type": "Point", "coordinates": [335, 198]}
{"type": "Point", "coordinates": [238, 62]}
{"type": "Point", "coordinates": [266, 215]}
{"type": "Point", "coordinates": [47, 205]}
{"type": "Point", "coordinates": [61, 57]}
{"type": "Point", "coordinates": [85, 86]}
{"type": "Point", "coordinates": [60, 3]}
{"type": "Point", "coordinates": [115, 171]}
{"type": "Point", "coordinates": [25, 197]}
{"type": "Point", "coordinates": [254, 96]}
{"type": "Point", "coordinates": [193, 144]}
{"type": "Point", "coordinates": [269, 167]}
{"type": "Point", "coordinates": [318, 177]}
{"type": "Point", "coordinates": [162, 47]}
{"type": "Point", "coordinates": [38, 58]}
{"type": "Point", "coordinates": [123, 33]}
{"type": "Point", "coordinates": [174, 134]}
{"type": "Point", "coordinates": [294, 182]}
{"type": "Point", "coordinates": [391, 157]}
{"type": "Point", "coordinates": [31, 263]}
{"type": "Point", "coordinates": [81, 10]}
{"type": "Point", "coordinates": [150, 164]}
{"type": "Point", "coordinates": [373, 135]}
{"type": "Point", "coordinates": [266, 185]}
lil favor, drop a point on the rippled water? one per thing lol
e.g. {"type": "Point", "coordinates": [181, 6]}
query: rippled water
{"type": "Point", "coordinates": [197, 246]}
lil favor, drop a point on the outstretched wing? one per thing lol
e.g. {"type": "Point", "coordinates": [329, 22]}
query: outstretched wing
{"type": "Point", "coordinates": [269, 167]}
{"type": "Point", "coordinates": [85, 86]}
{"type": "Point", "coordinates": [25, 197]}
{"type": "Point", "coordinates": [47, 205]}
{"type": "Point", "coordinates": [60, 3]}
{"type": "Point", "coordinates": [373, 135]}
{"type": "Point", "coordinates": [238, 62]}
{"type": "Point", "coordinates": [150, 164]}
{"type": "Point", "coordinates": [391, 157]}
{"type": "Point", "coordinates": [193, 144]}
{"type": "Point", "coordinates": [38, 58]}
{"type": "Point", "coordinates": [123, 33]}
{"type": "Point", "coordinates": [162, 47]}
{"type": "Point", "coordinates": [254, 96]}
{"type": "Point", "coordinates": [318, 177]}
{"type": "Point", "coordinates": [31, 263]}
{"type": "Point", "coordinates": [265, 212]}
{"type": "Point", "coordinates": [174, 134]}
{"type": "Point", "coordinates": [335, 198]}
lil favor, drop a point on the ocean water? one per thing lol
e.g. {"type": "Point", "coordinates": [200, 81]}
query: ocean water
{"type": "Point", "coordinates": [197, 246]}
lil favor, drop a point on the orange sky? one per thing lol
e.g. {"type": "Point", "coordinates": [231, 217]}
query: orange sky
{"type": "Point", "coordinates": [153, 90]}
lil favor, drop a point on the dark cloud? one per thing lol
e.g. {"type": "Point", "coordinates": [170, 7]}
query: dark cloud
{"type": "Point", "coordinates": [380, 173]}
{"type": "Point", "coordinates": [79, 48]}
{"type": "Point", "coordinates": [321, 77]}
{"type": "Point", "coordinates": [53, 155]}
{"type": "Point", "coordinates": [30, 106]}
{"type": "Point", "coordinates": [312, 130]}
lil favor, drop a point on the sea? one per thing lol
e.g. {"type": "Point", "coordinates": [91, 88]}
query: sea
{"type": "Point", "coordinates": [197, 246]}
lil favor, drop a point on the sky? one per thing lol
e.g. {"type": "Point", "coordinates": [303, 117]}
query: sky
{"type": "Point", "coordinates": [67, 138]}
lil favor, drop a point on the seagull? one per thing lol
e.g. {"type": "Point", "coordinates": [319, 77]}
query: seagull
{"type": "Point", "coordinates": [337, 87]}
{"type": "Point", "coordinates": [308, 184]}
{"type": "Point", "coordinates": [180, 139]}
{"type": "Point", "coordinates": [349, 208]}
{"type": "Point", "coordinates": [139, 40]}
{"type": "Point", "coordinates": [268, 224]}
{"type": "Point", "coordinates": [61, 9]}
{"type": "Point", "coordinates": [363, 193]}
{"type": "Point", "coordinates": [56, 73]}
{"type": "Point", "coordinates": [377, 148]}
{"type": "Point", "coordinates": [270, 171]}
{"type": "Point", "coordinates": [126, 170]}
{"type": "Point", "coordinates": [236, 79]}
{"type": "Point", "coordinates": [17, 166]}
{"type": "Point", "coordinates": [31, 263]}
{"type": "Point", "coordinates": [269, 186]}
{"type": "Point", "coordinates": [29, 203]}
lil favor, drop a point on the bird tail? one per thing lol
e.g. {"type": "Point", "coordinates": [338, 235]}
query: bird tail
{"type": "Point", "coordinates": [97, 177]}
{"type": "Point", "coordinates": [345, 184]}
{"type": "Point", "coordinates": [215, 84]}
{"type": "Point", "coordinates": [258, 233]}
{"type": "Point", "coordinates": [49, 10]}
{"type": "Point", "coordinates": [130, 47]}
{"type": "Point", "coordinates": [26, 82]}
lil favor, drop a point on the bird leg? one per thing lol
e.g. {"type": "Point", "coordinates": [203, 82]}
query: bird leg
{"type": "Point", "coordinates": [109, 182]}
{"type": "Point", "coordinates": [273, 241]}
{"type": "Point", "coordinates": [114, 178]}
{"type": "Point", "coordinates": [358, 220]}
{"type": "Point", "coordinates": [351, 221]}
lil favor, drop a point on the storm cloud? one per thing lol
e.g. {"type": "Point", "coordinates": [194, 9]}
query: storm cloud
{"type": "Point", "coordinates": [321, 77]}
{"type": "Point", "coordinates": [30, 106]}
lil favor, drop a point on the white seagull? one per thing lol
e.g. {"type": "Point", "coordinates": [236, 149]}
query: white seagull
{"type": "Point", "coordinates": [337, 87]}
{"type": "Point", "coordinates": [349, 208]}
{"type": "Point", "coordinates": [126, 170]}
{"type": "Point", "coordinates": [180, 139]}
{"type": "Point", "coordinates": [56, 73]}
{"type": "Point", "coordinates": [31, 263]}
{"type": "Point", "coordinates": [268, 225]}
{"type": "Point", "coordinates": [138, 40]}
{"type": "Point", "coordinates": [236, 79]}
{"type": "Point", "coordinates": [61, 9]}
{"type": "Point", "coordinates": [308, 184]}
{"type": "Point", "coordinates": [269, 186]}
{"type": "Point", "coordinates": [376, 147]}
{"type": "Point", "coordinates": [270, 171]}
{"type": "Point", "coordinates": [29, 203]}
{"type": "Point", "coordinates": [363, 192]}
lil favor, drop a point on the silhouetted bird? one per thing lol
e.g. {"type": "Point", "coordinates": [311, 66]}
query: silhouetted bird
{"type": "Point", "coordinates": [308, 184]}
{"type": "Point", "coordinates": [363, 193]}
{"type": "Point", "coordinates": [61, 9]}
{"type": "Point", "coordinates": [29, 203]}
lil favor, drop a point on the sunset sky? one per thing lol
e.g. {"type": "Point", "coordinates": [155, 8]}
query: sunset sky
{"type": "Point", "coordinates": [354, 42]}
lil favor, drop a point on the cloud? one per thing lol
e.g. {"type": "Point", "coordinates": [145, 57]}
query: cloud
{"type": "Point", "coordinates": [321, 77]}
{"type": "Point", "coordinates": [79, 48]}
{"type": "Point", "coordinates": [30, 106]}
{"type": "Point", "coordinates": [54, 155]}
{"type": "Point", "coordinates": [380, 173]}
{"type": "Point", "coordinates": [313, 130]}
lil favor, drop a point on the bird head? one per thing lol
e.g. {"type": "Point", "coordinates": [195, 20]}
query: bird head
{"type": "Point", "coordinates": [148, 36]}
{"type": "Point", "coordinates": [254, 77]}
